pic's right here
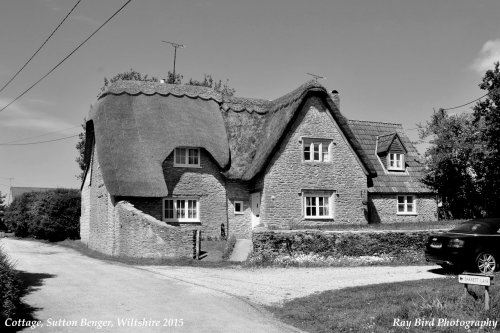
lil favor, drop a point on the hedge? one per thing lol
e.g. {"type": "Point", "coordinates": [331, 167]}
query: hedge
{"type": "Point", "coordinates": [329, 243]}
{"type": "Point", "coordinates": [10, 289]}
{"type": "Point", "coordinates": [53, 215]}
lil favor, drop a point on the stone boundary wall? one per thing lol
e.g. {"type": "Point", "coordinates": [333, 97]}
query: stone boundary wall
{"type": "Point", "coordinates": [348, 243]}
{"type": "Point", "coordinates": [142, 236]}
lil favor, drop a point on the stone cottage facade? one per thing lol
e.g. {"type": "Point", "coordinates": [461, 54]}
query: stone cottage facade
{"type": "Point", "coordinates": [168, 160]}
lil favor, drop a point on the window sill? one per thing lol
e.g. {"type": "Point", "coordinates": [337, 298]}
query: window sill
{"type": "Point", "coordinates": [406, 214]}
{"type": "Point", "coordinates": [182, 222]}
{"type": "Point", "coordinates": [239, 213]}
{"type": "Point", "coordinates": [318, 218]}
{"type": "Point", "coordinates": [187, 166]}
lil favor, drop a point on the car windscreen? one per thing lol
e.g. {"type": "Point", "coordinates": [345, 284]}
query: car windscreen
{"type": "Point", "coordinates": [473, 228]}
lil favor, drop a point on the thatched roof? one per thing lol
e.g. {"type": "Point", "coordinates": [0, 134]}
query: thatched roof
{"type": "Point", "coordinates": [138, 124]}
{"type": "Point", "coordinates": [135, 132]}
{"type": "Point", "coordinates": [368, 133]}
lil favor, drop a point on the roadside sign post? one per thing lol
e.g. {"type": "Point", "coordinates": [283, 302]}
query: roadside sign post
{"type": "Point", "coordinates": [478, 280]}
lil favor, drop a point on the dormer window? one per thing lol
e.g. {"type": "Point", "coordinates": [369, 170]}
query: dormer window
{"type": "Point", "coordinates": [187, 157]}
{"type": "Point", "coordinates": [316, 150]}
{"type": "Point", "coordinates": [395, 161]}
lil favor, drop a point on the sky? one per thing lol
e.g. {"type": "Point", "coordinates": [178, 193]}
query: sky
{"type": "Point", "coordinates": [391, 61]}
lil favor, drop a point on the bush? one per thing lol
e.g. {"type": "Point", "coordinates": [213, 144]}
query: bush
{"type": "Point", "coordinates": [10, 290]}
{"type": "Point", "coordinates": [53, 215]}
{"type": "Point", "coordinates": [294, 248]}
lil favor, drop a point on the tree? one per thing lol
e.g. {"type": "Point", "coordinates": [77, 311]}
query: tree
{"type": "Point", "coordinates": [487, 119]}
{"type": "Point", "coordinates": [133, 75]}
{"type": "Point", "coordinates": [2, 211]}
{"type": "Point", "coordinates": [451, 163]}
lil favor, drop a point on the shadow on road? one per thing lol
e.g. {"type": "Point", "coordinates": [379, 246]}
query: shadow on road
{"type": "Point", "coordinates": [30, 282]}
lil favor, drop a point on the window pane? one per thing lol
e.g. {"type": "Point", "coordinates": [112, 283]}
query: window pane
{"type": "Point", "coordinates": [308, 211]}
{"type": "Point", "coordinates": [409, 199]}
{"type": "Point", "coordinates": [181, 213]}
{"type": "Point", "coordinates": [401, 199]}
{"type": "Point", "coordinates": [180, 155]}
{"type": "Point", "coordinates": [307, 152]}
{"type": "Point", "coordinates": [193, 156]}
{"type": "Point", "coordinates": [326, 156]}
{"type": "Point", "coordinates": [409, 208]}
{"type": "Point", "coordinates": [316, 152]}
{"type": "Point", "coordinates": [169, 209]}
{"type": "Point", "coordinates": [192, 209]}
{"type": "Point", "coordinates": [401, 208]}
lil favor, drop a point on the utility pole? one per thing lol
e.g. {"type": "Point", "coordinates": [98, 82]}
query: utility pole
{"type": "Point", "coordinates": [175, 46]}
{"type": "Point", "coordinates": [316, 77]}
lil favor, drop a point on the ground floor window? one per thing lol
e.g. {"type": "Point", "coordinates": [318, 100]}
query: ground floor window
{"type": "Point", "coordinates": [181, 210]}
{"type": "Point", "coordinates": [318, 205]}
{"type": "Point", "coordinates": [406, 204]}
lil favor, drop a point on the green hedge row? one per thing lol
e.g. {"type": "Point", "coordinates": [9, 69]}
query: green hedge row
{"type": "Point", "coordinates": [53, 215]}
{"type": "Point", "coordinates": [339, 243]}
{"type": "Point", "coordinates": [10, 289]}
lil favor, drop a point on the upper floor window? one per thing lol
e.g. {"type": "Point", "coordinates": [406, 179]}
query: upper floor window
{"type": "Point", "coordinates": [187, 157]}
{"type": "Point", "coordinates": [181, 210]}
{"type": "Point", "coordinates": [395, 161]}
{"type": "Point", "coordinates": [316, 150]}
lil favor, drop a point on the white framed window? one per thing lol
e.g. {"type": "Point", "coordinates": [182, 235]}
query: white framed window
{"type": "Point", "coordinates": [181, 210]}
{"type": "Point", "coordinates": [316, 150]}
{"type": "Point", "coordinates": [187, 157]}
{"type": "Point", "coordinates": [395, 161]}
{"type": "Point", "coordinates": [406, 204]}
{"type": "Point", "coordinates": [318, 205]}
{"type": "Point", "coordinates": [238, 207]}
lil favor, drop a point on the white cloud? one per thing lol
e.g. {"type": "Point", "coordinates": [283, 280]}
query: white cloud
{"type": "Point", "coordinates": [26, 116]}
{"type": "Point", "coordinates": [489, 54]}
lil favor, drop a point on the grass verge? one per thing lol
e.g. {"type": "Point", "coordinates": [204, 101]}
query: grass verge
{"type": "Point", "coordinates": [380, 308]}
{"type": "Point", "coordinates": [83, 249]}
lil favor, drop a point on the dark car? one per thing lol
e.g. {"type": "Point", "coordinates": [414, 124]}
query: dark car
{"type": "Point", "coordinates": [473, 244]}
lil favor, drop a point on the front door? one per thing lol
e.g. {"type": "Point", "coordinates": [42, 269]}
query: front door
{"type": "Point", "coordinates": [255, 202]}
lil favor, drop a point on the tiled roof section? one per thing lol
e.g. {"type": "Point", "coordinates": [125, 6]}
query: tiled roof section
{"type": "Point", "coordinates": [384, 142]}
{"type": "Point", "coordinates": [367, 133]}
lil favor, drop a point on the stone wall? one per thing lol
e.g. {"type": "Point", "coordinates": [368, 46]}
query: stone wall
{"type": "Point", "coordinates": [85, 208]}
{"type": "Point", "coordinates": [143, 236]}
{"type": "Point", "coordinates": [383, 208]}
{"type": "Point", "coordinates": [239, 224]}
{"type": "Point", "coordinates": [287, 175]}
{"type": "Point", "coordinates": [102, 227]}
{"type": "Point", "coordinates": [204, 183]}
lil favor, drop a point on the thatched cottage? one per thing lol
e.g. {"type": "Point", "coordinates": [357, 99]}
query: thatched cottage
{"type": "Point", "coordinates": [167, 160]}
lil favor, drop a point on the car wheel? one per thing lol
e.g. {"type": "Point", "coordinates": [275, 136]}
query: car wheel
{"type": "Point", "coordinates": [486, 263]}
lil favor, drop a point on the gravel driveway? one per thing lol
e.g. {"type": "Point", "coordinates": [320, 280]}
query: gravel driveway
{"type": "Point", "coordinates": [269, 286]}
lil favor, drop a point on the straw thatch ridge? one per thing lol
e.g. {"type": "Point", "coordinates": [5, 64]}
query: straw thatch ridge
{"type": "Point", "coordinates": [409, 181]}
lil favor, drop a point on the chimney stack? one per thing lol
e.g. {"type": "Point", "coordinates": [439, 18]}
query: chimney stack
{"type": "Point", "coordinates": [335, 98]}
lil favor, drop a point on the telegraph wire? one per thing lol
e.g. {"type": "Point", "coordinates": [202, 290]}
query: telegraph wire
{"type": "Point", "coordinates": [37, 136]}
{"type": "Point", "coordinates": [65, 58]}
{"type": "Point", "coordinates": [38, 142]}
{"type": "Point", "coordinates": [36, 52]}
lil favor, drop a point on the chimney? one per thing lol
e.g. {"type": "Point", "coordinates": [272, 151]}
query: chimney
{"type": "Point", "coordinates": [335, 98]}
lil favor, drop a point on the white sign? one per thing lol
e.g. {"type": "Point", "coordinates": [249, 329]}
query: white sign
{"type": "Point", "coordinates": [479, 280]}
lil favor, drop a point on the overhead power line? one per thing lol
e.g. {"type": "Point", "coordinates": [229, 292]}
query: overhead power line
{"type": "Point", "coordinates": [36, 52]}
{"type": "Point", "coordinates": [38, 142]}
{"type": "Point", "coordinates": [65, 58]}
{"type": "Point", "coordinates": [37, 136]}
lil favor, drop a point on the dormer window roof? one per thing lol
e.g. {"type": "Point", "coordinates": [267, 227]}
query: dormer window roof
{"type": "Point", "coordinates": [391, 147]}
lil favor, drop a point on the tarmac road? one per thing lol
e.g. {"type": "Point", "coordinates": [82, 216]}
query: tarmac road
{"type": "Point", "coordinates": [81, 294]}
